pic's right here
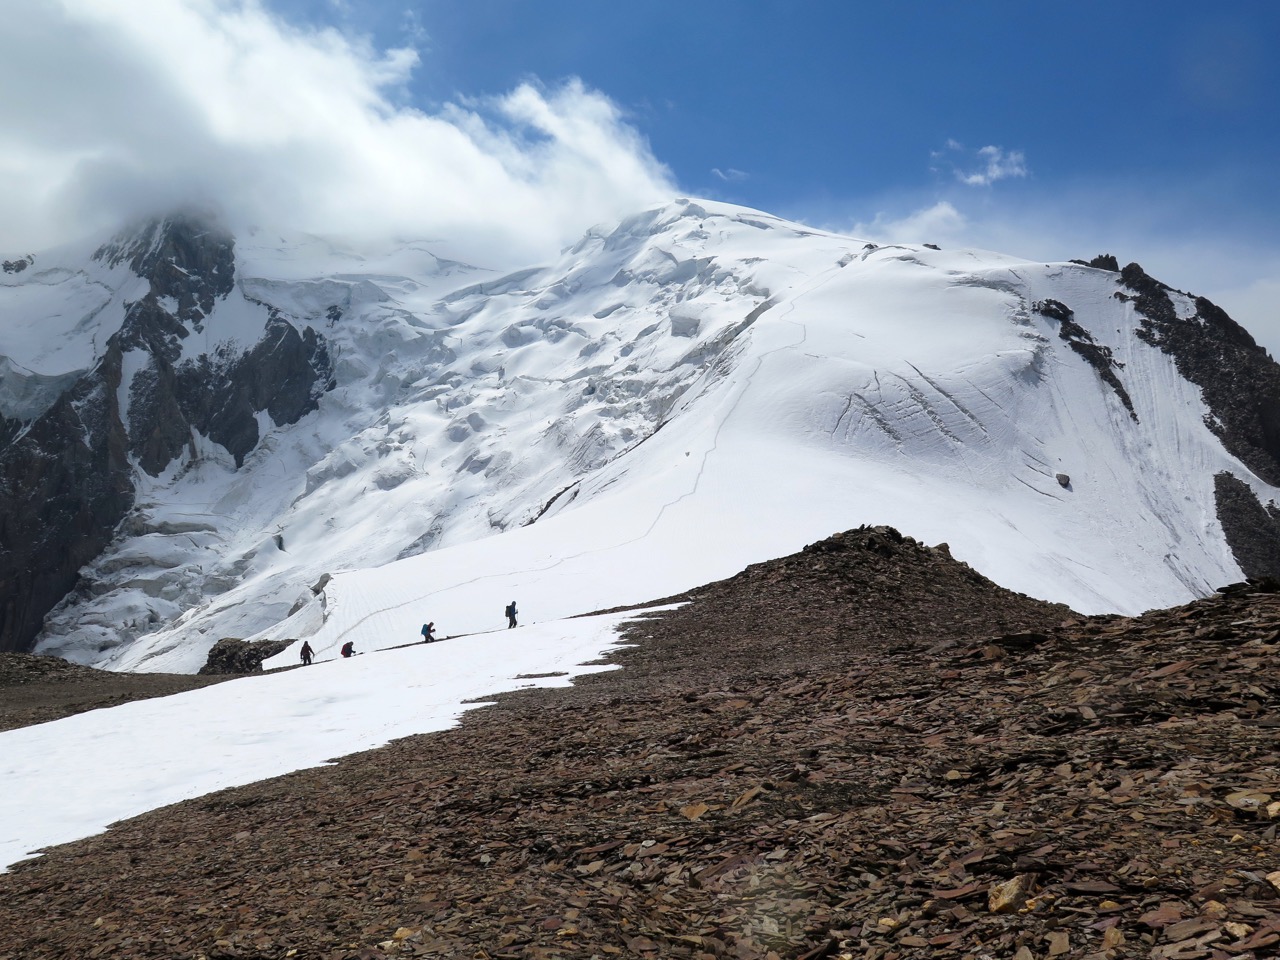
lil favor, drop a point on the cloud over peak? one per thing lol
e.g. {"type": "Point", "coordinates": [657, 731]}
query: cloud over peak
{"type": "Point", "coordinates": [121, 108]}
{"type": "Point", "coordinates": [981, 167]}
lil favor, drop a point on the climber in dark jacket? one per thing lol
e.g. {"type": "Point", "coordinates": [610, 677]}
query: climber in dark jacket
{"type": "Point", "coordinates": [348, 649]}
{"type": "Point", "coordinates": [511, 614]}
{"type": "Point", "coordinates": [307, 653]}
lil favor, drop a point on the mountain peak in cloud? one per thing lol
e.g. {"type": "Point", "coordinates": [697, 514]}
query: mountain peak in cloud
{"type": "Point", "coordinates": [224, 105]}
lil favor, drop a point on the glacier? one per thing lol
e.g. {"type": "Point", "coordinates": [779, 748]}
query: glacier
{"type": "Point", "coordinates": [697, 388]}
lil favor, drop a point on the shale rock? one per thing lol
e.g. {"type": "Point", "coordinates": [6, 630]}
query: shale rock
{"type": "Point", "coordinates": [815, 758]}
{"type": "Point", "coordinates": [37, 689]}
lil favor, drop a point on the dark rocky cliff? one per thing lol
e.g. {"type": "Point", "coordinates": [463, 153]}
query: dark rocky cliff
{"type": "Point", "coordinates": [1240, 383]}
{"type": "Point", "coordinates": [1252, 530]}
{"type": "Point", "coordinates": [1082, 342]}
{"type": "Point", "coordinates": [64, 485]}
{"type": "Point", "coordinates": [1239, 380]}
{"type": "Point", "coordinates": [66, 477]}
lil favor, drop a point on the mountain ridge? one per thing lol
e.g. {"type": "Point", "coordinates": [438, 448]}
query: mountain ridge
{"type": "Point", "coordinates": [436, 406]}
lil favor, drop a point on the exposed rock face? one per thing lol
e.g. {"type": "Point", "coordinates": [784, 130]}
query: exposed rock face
{"type": "Point", "coordinates": [64, 485]}
{"type": "Point", "coordinates": [233, 656]}
{"type": "Point", "coordinates": [66, 478]}
{"type": "Point", "coordinates": [184, 257]}
{"type": "Point", "coordinates": [1239, 380]}
{"type": "Point", "coordinates": [219, 395]}
{"type": "Point", "coordinates": [1081, 341]}
{"type": "Point", "coordinates": [1103, 261]}
{"type": "Point", "coordinates": [284, 374]}
{"type": "Point", "coordinates": [1252, 531]}
{"type": "Point", "coordinates": [10, 427]}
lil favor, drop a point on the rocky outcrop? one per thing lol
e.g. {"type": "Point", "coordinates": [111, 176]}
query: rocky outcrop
{"type": "Point", "coordinates": [1252, 530]}
{"type": "Point", "coordinates": [10, 427]}
{"type": "Point", "coordinates": [185, 257]}
{"type": "Point", "coordinates": [232, 656]}
{"type": "Point", "coordinates": [870, 589]}
{"type": "Point", "coordinates": [1238, 379]}
{"type": "Point", "coordinates": [1103, 261]}
{"type": "Point", "coordinates": [1081, 341]}
{"type": "Point", "coordinates": [36, 689]}
{"type": "Point", "coordinates": [190, 265]}
{"type": "Point", "coordinates": [64, 485]}
{"type": "Point", "coordinates": [66, 477]}
{"type": "Point", "coordinates": [285, 374]}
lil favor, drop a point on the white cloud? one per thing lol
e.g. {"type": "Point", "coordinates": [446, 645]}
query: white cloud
{"type": "Point", "coordinates": [119, 108]}
{"type": "Point", "coordinates": [411, 26]}
{"type": "Point", "coordinates": [938, 223]}
{"type": "Point", "coordinates": [981, 167]}
{"type": "Point", "coordinates": [730, 175]}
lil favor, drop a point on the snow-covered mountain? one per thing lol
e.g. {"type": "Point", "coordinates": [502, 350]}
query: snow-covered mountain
{"type": "Point", "coordinates": [263, 436]}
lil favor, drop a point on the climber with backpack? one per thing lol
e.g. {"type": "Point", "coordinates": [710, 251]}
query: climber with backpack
{"type": "Point", "coordinates": [349, 649]}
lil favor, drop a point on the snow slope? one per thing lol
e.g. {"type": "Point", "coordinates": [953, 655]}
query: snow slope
{"type": "Point", "coordinates": [701, 387]}
{"type": "Point", "coordinates": [71, 778]}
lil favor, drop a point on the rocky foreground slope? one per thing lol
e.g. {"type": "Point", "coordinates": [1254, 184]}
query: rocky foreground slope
{"type": "Point", "coordinates": [38, 689]}
{"type": "Point", "coordinates": [863, 750]}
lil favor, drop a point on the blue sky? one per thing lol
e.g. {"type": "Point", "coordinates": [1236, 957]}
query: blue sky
{"type": "Point", "coordinates": [1046, 130]}
{"type": "Point", "coordinates": [839, 109]}
{"type": "Point", "coordinates": [1144, 129]}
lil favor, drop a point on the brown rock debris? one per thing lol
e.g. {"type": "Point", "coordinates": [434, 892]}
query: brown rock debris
{"type": "Point", "coordinates": [864, 750]}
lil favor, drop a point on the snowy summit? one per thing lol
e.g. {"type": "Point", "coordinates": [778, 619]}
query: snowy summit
{"type": "Point", "coordinates": [289, 439]}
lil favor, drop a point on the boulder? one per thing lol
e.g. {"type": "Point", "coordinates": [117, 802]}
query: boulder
{"type": "Point", "coordinates": [233, 656]}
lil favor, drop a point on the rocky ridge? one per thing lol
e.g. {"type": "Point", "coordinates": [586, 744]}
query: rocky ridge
{"type": "Point", "coordinates": [239, 657]}
{"type": "Point", "coordinates": [815, 758]}
{"type": "Point", "coordinates": [66, 477]}
{"type": "Point", "coordinates": [1239, 379]}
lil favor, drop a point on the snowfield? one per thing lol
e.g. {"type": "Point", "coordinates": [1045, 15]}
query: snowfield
{"type": "Point", "coordinates": [71, 778]}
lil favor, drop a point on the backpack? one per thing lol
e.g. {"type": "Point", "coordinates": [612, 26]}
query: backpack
{"type": "Point", "coordinates": [511, 609]}
{"type": "Point", "coordinates": [424, 630]}
{"type": "Point", "coordinates": [347, 648]}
